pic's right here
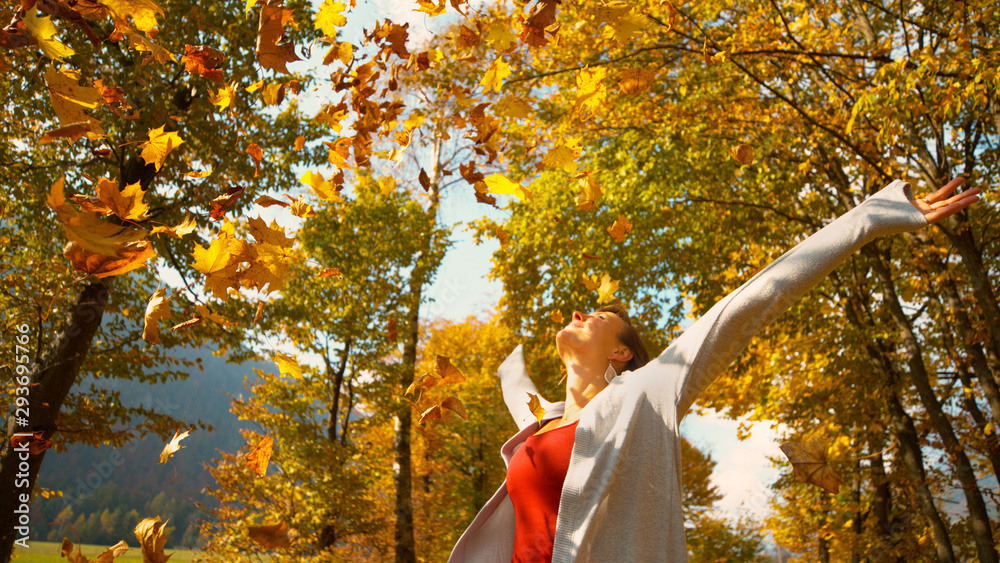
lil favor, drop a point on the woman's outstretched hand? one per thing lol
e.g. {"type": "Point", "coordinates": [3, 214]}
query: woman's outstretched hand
{"type": "Point", "coordinates": [938, 205]}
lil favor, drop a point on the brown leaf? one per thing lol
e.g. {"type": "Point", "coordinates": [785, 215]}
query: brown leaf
{"type": "Point", "coordinates": [502, 235]}
{"type": "Point", "coordinates": [742, 154]}
{"type": "Point", "coordinates": [36, 444]}
{"type": "Point", "coordinates": [222, 203]}
{"type": "Point", "coordinates": [447, 372]}
{"type": "Point", "coordinates": [270, 31]}
{"type": "Point", "coordinates": [109, 554]}
{"type": "Point", "coordinates": [188, 323]}
{"type": "Point", "coordinates": [455, 405]}
{"type": "Point", "coordinates": [131, 255]}
{"type": "Point", "coordinates": [257, 459]}
{"type": "Point", "coordinates": [149, 532]}
{"type": "Point", "coordinates": [328, 272]}
{"type": "Point", "coordinates": [272, 536]}
{"type": "Point", "coordinates": [809, 464]}
{"type": "Point", "coordinates": [425, 180]}
{"type": "Point", "coordinates": [268, 201]}
{"type": "Point", "coordinates": [257, 155]}
{"type": "Point", "coordinates": [433, 413]}
{"type": "Point", "coordinates": [73, 131]}
{"type": "Point", "coordinates": [391, 331]}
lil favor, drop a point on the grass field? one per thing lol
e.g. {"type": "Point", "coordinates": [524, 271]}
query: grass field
{"type": "Point", "coordinates": [48, 552]}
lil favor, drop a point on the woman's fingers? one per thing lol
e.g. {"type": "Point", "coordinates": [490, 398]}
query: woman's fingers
{"type": "Point", "coordinates": [944, 209]}
{"type": "Point", "coordinates": [943, 193]}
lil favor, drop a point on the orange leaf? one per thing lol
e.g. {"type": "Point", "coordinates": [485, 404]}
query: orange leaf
{"type": "Point", "coordinates": [328, 272]}
{"type": "Point", "coordinates": [73, 131]}
{"type": "Point", "coordinates": [149, 532]}
{"type": "Point", "coordinates": [391, 331]}
{"type": "Point", "coordinates": [270, 31]}
{"type": "Point", "coordinates": [447, 372]}
{"type": "Point", "coordinates": [273, 536]}
{"type": "Point", "coordinates": [455, 405]}
{"type": "Point", "coordinates": [36, 444]}
{"type": "Point", "coordinates": [742, 154]}
{"type": "Point", "coordinates": [222, 203]}
{"type": "Point", "coordinates": [256, 460]}
{"type": "Point", "coordinates": [620, 228]}
{"type": "Point", "coordinates": [201, 60]}
{"type": "Point", "coordinates": [433, 413]}
{"type": "Point", "coordinates": [257, 155]}
{"type": "Point", "coordinates": [131, 256]}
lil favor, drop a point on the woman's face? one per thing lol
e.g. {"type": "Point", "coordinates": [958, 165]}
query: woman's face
{"type": "Point", "coordinates": [593, 335]}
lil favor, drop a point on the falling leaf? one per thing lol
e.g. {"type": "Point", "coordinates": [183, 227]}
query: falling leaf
{"type": "Point", "coordinates": [107, 556]}
{"type": "Point", "coordinates": [259, 314]}
{"type": "Point", "coordinates": [502, 235]}
{"type": "Point", "coordinates": [201, 60]}
{"type": "Point", "coordinates": [607, 289]}
{"type": "Point", "coordinates": [73, 131]}
{"type": "Point", "coordinates": [42, 29]}
{"type": "Point", "coordinates": [204, 313]}
{"type": "Point", "coordinates": [590, 89]}
{"type": "Point", "coordinates": [273, 93]}
{"type": "Point", "coordinates": [433, 413]}
{"type": "Point", "coordinates": [173, 445]}
{"type": "Point", "coordinates": [499, 184]}
{"type": "Point", "coordinates": [257, 155]}
{"type": "Point", "coordinates": [328, 273]}
{"type": "Point", "coordinates": [256, 460]}
{"type": "Point", "coordinates": [455, 405]}
{"type": "Point", "coordinates": [268, 201]}
{"type": "Point", "coordinates": [270, 31]}
{"type": "Point", "coordinates": [321, 186]}
{"type": "Point", "coordinates": [149, 532]}
{"type": "Point", "coordinates": [288, 366]}
{"type": "Point", "coordinates": [127, 204]}
{"type": "Point", "coordinates": [447, 372]}
{"type": "Point", "coordinates": [742, 154]}
{"type": "Point", "coordinates": [198, 174]}
{"type": "Point", "coordinates": [36, 443]}
{"type": "Point", "coordinates": [300, 142]}
{"type": "Point", "coordinates": [222, 203]}
{"type": "Point", "coordinates": [223, 98]}
{"type": "Point", "coordinates": [159, 145]}
{"type": "Point", "coordinates": [157, 308]}
{"type": "Point", "coordinates": [535, 406]}
{"type": "Point", "coordinates": [562, 157]}
{"type": "Point", "coordinates": [809, 464]}
{"type": "Point", "coordinates": [142, 12]}
{"type": "Point", "coordinates": [391, 330]}
{"type": "Point", "coordinates": [87, 229]}
{"type": "Point", "coordinates": [386, 185]}
{"type": "Point", "coordinates": [129, 256]}
{"type": "Point", "coordinates": [273, 536]}
{"type": "Point", "coordinates": [493, 78]}
{"type": "Point", "coordinates": [187, 226]}
{"type": "Point", "coordinates": [430, 8]}
{"type": "Point", "coordinates": [557, 317]}
{"type": "Point", "coordinates": [990, 429]}
{"type": "Point", "coordinates": [635, 80]}
{"type": "Point", "coordinates": [590, 192]}
{"type": "Point", "coordinates": [70, 100]}
{"type": "Point", "coordinates": [196, 320]}
{"type": "Point", "coordinates": [620, 228]}
{"type": "Point", "coordinates": [329, 17]}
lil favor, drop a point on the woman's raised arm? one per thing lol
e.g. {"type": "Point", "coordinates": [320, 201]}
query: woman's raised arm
{"type": "Point", "coordinates": [706, 348]}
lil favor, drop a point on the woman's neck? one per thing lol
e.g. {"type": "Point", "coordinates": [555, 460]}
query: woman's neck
{"type": "Point", "coordinates": [582, 385]}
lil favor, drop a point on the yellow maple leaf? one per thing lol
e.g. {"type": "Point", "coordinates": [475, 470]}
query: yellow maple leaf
{"type": "Point", "coordinates": [501, 36]}
{"type": "Point", "coordinates": [562, 156]}
{"type": "Point", "coordinates": [590, 192]}
{"type": "Point", "coordinates": [329, 17]}
{"type": "Point", "coordinates": [223, 97]}
{"type": "Point", "coordinates": [620, 22]}
{"type": "Point", "coordinates": [43, 31]}
{"type": "Point", "coordinates": [386, 185]}
{"type": "Point", "coordinates": [159, 145]}
{"type": "Point", "coordinates": [157, 308]}
{"type": "Point", "coordinates": [810, 465]}
{"type": "Point", "coordinates": [499, 184]}
{"type": "Point", "coordinates": [269, 234]}
{"type": "Point", "coordinates": [70, 100]}
{"type": "Point", "coordinates": [219, 262]}
{"type": "Point", "coordinates": [127, 204]}
{"type": "Point", "coordinates": [87, 229]}
{"type": "Point", "coordinates": [607, 289]}
{"type": "Point", "coordinates": [493, 78]}
{"type": "Point", "coordinates": [187, 226]}
{"type": "Point", "coordinates": [535, 406]}
{"type": "Point", "coordinates": [430, 7]}
{"type": "Point", "coordinates": [173, 445]}
{"type": "Point", "coordinates": [633, 81]}
{"type": "Point", "coordinates": [142, 12]}
{"type": "Point", "coordinates": [590, 88]}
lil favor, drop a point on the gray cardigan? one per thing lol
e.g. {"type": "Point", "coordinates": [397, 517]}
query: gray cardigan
{"type": "Point", "coordinates": [621, 500]}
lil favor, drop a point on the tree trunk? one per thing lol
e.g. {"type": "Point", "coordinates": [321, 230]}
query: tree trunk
{"type": "Point", "coordinates": [51, 379]}
{"type": "Point", "coordinates": [979, 519]}
{"type": "Point", "coordinates": [905, 434]}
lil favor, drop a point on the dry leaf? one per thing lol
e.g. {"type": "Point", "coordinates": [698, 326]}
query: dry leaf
{"type": "Point", "coordinates": [159, 145]}
{"type": "Point", "coordinates": [257, 155]}
{"type": "Point", "coordinates": [273, 536]}
{"type": "Point", "coordinates": [256, 460]}
{"type": "Point", "coordinates": [391, 330]}
{"type": "Point", "coordinates": [433, 413]}
{"type": "Point", "coordinates": [809, 464]}
{"type": "Point", "coordinates": [328, 272]}
{"type": "Point", "coordinates": [149, 532]}
{"type": "Point", "coordinates": [173, 445]}
{"type": "Point", "coordinates": [455, 405]}
{"type": "Point", "coordinates": [73, 131]}
{"type": "Point", "coordinates": [742, 154]}
{"type": "Point", "coordinates": [270, 31]}
{"type": "Point", "coordinates": [620, 228]}
{"type": "Point", "coordinates": [447, 372]}
{"type": "Point", "coordinates": [535, 406]}
{"type": "Point", "coordinates": [157, 308]}
{"type": "Point", "coordinates": [222, 203]}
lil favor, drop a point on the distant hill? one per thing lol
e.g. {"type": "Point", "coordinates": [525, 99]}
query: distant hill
{"type": "Point", "coordinates": [106, 490]}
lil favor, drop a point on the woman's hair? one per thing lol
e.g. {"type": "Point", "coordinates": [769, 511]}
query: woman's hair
{"type": "Point", "coordinates": [629, 337]}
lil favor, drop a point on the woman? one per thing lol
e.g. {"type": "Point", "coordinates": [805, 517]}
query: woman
{"type": "Point", "coordinates": [599, 479]}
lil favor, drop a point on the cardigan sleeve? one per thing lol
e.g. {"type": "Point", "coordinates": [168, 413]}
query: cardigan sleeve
{"type": "Point", "coordinates": [516, 384]}
{"type": "Point", "coordinates": [708, 346]}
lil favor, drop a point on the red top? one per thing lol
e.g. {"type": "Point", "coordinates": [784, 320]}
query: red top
{"type": "Point", "coordinates": [534, 483]}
